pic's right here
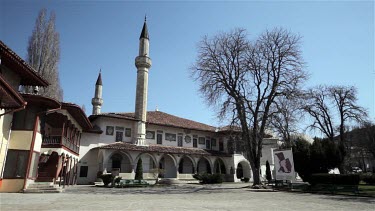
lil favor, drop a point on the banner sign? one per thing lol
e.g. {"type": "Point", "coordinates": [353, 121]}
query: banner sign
{"type": "Point", "coordinates": [284, 165]}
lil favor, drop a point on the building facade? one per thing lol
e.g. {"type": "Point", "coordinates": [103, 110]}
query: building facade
{"type": "Point", "coordinates": [178, 146]}
{"type": "Point", "coordinates": [40, 136]}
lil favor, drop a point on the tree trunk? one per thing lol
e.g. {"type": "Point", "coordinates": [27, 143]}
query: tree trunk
{"type": "Point", "coordinates": [256, 177]}
{"type": "Point", "coordinates": [256, 174]}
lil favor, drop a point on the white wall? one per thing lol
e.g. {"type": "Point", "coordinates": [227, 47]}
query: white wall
{"type": "Point", "coordinates": [178, 131]}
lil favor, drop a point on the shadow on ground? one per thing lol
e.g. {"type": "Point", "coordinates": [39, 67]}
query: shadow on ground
{"type": "Point", "coordinates": [340, 198]}
{"type": "Point", "coordinates": [149, 190]}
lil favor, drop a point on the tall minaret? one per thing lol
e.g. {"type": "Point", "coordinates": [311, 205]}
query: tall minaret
{"type": "Point", "coordinates": [143, 63]}
{"type": "Point", "coordinates": [97, 101]}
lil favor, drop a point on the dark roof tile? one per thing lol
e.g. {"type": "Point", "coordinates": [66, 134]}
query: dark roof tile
{"type": "Point", "coordinates": [162, 149]}
{"type": "Point", "coordinates": [161, 118]}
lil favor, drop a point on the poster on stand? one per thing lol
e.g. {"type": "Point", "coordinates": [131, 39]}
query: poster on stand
{"type": "Point", "coordinates": [284, 165]}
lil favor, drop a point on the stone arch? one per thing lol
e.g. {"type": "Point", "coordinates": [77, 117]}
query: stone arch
{"type": "Point", "coordinates": [120, 161]}
{"type": "Point", "coordinates": [168, 163]}
{"type": "Point", "coordinates": [219, 166]}
{"type": "Point", "coordinates": [204, 165]}
{"type": "Point", "coordinates": [186, 165]}
{"type": "Point", "coordinates": [148, 162]}
{"type": "Point", "coordinates": [243, 169]}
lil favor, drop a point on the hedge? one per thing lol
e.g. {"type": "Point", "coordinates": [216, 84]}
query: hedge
{"type": "Point", "coordinates": [336, 179]}
{"type": "Point", "coordinates": [107, 178]}
{"type": "Point", "coordinates": [208, 178]}
{"type": "Point", "coordinates": [368, 178]}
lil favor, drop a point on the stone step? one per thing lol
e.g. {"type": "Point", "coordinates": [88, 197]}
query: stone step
{"type": "Point", "coordinates": [43, 191]}
{"type": "Point", "coordinates": [43, 187]}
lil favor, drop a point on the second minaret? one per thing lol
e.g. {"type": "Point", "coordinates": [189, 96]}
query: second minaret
{"type": "Point", "coordinates": [143, 64]}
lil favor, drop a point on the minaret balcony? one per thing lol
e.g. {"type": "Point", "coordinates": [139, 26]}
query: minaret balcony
{"type": "Point", "coordinates": [143, 61]}
{"type": "Point", "coordinates": [97, 101]}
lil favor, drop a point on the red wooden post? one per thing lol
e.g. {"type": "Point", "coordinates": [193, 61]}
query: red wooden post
{"type": "Point", "coordinates": [68, 170]}
{"type": "Point", "coordinates": [62, 133]}
{"type": "Point", "coordinates": [79, 141]}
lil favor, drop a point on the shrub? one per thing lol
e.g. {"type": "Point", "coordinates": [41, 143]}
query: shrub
{"type": "Point", "coordinates": [117, 180]}
{"type": "Point", "coordinates": [107, 178]}
{"type": "Point", "coordinates": [268, 172]}
{"type": "Point", "coordinates": [208, 178]}
{"type": "Point", "coordinates": [336, 179]}
{"type": "Point", "coordinates": [99, 174]}
{"type": "Point", "coordinates": [139, 170]}
{"type": "Point", "coordinates": [245, 179]}
{"type": "Point", "coordinates": [368, 178]}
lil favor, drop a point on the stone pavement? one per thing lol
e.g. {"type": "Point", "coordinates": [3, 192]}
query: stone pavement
{"type": "Point", "coordinates": [180, 197]}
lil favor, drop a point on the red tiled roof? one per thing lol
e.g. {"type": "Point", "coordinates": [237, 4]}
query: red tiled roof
{"type": "Point", "coordinates": [50, 103]}
{"type": "Point", "coordinates": [229, 128]}
{"type": "Point", "coordinates": [27, 74]}
{"type": "Point", "coordinates": [161, 118]}
{"type": "Point", "coordinates": [78, 114]}
{"type": "Point", "coordinates": [161, 149]}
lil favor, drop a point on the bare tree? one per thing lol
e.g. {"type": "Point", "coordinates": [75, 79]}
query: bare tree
{"type": "Point", "coordinates": [331, 108]}
{"type": "Point", "coordinates": [287, 115]}
{"type": "Point", "coordinates": [43, 54]}
{"type": "Point", "coordinates": [317, 105]}
{"type": "Point", "coordinates": [345, 101]}
{"type": "Point", "coordinates": [244, 78]}
{"type": "Point", "coordinates": [368, 140]}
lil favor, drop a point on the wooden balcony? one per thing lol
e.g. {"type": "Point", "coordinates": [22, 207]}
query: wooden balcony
{"type": "Point", "coordinates": [59, 142]}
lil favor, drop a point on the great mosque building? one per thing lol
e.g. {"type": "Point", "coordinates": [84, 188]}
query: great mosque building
{"type": "Point", "coordinates": [179, 146]}
{"type": "Point", "coordinates": [46, 144]}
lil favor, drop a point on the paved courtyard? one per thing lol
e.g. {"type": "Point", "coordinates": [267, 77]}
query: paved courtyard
{"type": "Point", "coordinates": [180, 197]}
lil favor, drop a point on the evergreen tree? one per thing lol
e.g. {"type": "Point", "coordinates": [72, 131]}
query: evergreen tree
{"type": "Point", "coordinates": [43, 54]}
{"type": "Point", "coordinates": [139, 170]}
{"type": "Point", "coordinates": [301, 157]}
{"type": "Point", "coordinates": [268, 171]}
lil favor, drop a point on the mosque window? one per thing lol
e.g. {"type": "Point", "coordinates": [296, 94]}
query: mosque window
{"type": "Point", "coordinates": [208, 144]}
{"type": "Point", "coordinates": [119, 136]}
{"type": "Point", "coordinates": [179, 140]}
{"type": "Point", "coordinates": [202, 140]}
{"type": "Point", "coordinates": [213, 142]}
{"type": "Point", "coordinates": [170, 137]}
{"type": "Point", "coordinates": [221, 146]}
{"type": "Point", "coordinates": [195, 142]}
{"type": "Point", "coordinates": [128, 132]}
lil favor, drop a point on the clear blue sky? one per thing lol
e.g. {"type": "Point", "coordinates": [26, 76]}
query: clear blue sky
{"type": "Point", "coordinates": [337, 44]}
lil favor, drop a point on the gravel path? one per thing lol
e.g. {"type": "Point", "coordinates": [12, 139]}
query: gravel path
{"type": "Point", "coordinates": [180, 197]}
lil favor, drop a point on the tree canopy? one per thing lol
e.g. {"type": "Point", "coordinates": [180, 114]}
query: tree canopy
{"type": "Point", "coordinates": [243, 79]}
{"type": "Point", "coordinates": [43, 54]}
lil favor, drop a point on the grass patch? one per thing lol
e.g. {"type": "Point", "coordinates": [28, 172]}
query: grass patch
{"type": "Point", "coordinates": [368, 190]}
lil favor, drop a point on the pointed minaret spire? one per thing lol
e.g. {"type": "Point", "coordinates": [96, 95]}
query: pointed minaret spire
{"type": "Point", "coordinates": [144, 33]}
{"type": "Point", "coordinates": [99, 81]}
{"type": "Point", "coordinates": [97, 101]}
{"type": "Point", "coordinates": [143, 64]}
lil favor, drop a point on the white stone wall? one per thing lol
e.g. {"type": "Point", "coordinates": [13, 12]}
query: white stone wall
{"type": "Point", "coordinates": [177, 132]}
{"type": "Point", "coordinates": [96, 163]}
{"type": "Point", "coordinates": [103, 122]}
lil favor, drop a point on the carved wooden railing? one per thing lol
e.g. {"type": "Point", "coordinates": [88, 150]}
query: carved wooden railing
{"type": "Point", "coordinates": [58, 141]}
